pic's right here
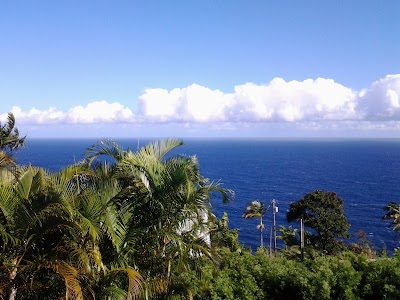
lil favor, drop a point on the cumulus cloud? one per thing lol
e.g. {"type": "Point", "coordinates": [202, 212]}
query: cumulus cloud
{"type": "Point", "coordinates": [279, 100]}
{"type": "Point", "coordinates": [100, 112]}
{"type": "Point", "coordinates": [94, 112]}
{"type": "Point", "coordinates": [35, 116]}
{"type": "Point", "coordinates": [194, 103]}
{"type": "Point", "coordinates": [311, 100]}
{"type": "Point", "coordinates": [293, 101]}
{"type": "Point", "coordinates": [381, 101]}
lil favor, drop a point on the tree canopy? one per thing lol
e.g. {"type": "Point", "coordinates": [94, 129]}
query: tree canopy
{"type": "Point", "coordinates": [256, 209]}
{"type": "Point", "coordinates": [393, 213]}
{"type": "Point", "coordinates": [10, 139]}
{"type": "Point", "coordinates": [323, 212]}
{"type": "Point", "coordinates": [101, 230]}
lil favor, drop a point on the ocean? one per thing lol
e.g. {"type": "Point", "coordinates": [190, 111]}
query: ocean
{"type": "Point", "coordinates": [364, 173]}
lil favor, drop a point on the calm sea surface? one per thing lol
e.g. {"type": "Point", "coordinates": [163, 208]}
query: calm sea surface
{"type": "Point", "coordinates": [365, 173]}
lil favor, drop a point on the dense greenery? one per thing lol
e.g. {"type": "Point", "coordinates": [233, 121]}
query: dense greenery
{"type": "Point", "coordinates": [259, 276]}
{"type": "Point", "coordinates": [109, 229]}
{"type": "Point", "coordinates": [139, 224]}
{"type": "Point", "coordinates": [322, 212]}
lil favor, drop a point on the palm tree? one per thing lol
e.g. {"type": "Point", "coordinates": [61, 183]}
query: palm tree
{"type": "Point", "coordinates": [288, 235]}
{"type": "Point", "coordinates": [82, 229]}
{"type": "Point", "coordinates": [9, 135]}
{"type": "Point", "coordinates": [166, 203]}
{"type": "Point", "coordinates": [49, 225]}
{"type": "Point", "coordinates": [102, 224]}
{"type": "Point", "coordinates": [33, 213]}
{"type": "Point", "coordinates": [393, 212]}
{"type": "Point", "coordinates": [256, 209]}
{"type": "Point", "coordinates": [9, 142]}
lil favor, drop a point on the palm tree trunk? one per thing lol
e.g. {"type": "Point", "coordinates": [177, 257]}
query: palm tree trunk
{"type": "Point", "coordinates": [169, 268]}
{"type": "Point", "coordinates": [13, 294]}
{"type": "Point", "coordinates": [13, 274]}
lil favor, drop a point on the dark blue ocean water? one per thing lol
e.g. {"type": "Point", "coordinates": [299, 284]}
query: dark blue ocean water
{"type": "Point", "coordinates": [365, 173]}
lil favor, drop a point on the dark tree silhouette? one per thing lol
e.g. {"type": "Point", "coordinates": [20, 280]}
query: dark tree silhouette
{"type": "Point", "coordinates": [323, 212]}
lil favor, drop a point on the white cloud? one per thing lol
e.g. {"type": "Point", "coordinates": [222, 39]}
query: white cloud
{"type": "Point", "coordinates": [381, 101]}
{"type": "Point", "coordinates": [92, 113]}
{"type": "Point", "coordinates": [318, 99]}
{"type": "Point", "coordinates": [100, 112]}
{"type": "Point", "coordinates": [194, 103]}
{"type": "Point", "coordinates": [311, 100]}
{"type": "Point", "coordinates": [35, 116]}
{"type": "Point", "coordinates": [279, 100]}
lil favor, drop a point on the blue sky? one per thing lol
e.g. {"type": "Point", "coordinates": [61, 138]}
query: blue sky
{"type": "Point", "coordinates": [201, 68]}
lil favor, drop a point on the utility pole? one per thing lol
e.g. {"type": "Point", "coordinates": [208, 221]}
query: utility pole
{"type": "Point", "coordinates": [302, 239]}
{"type": "Point", "coordinates": [270, 241]}
{"type": "Point", "coordinates": [274, 211]}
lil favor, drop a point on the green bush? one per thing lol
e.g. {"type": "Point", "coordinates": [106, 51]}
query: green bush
{"type": "Point", "coordinates": [381, 279]}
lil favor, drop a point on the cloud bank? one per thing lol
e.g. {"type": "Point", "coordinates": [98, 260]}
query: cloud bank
{"type": "Point", "coordinates": [94, 112]}
{"type": "Point", "coordinates": [279, 100]}
{"type": "Point", "coordinates": [311, 100]}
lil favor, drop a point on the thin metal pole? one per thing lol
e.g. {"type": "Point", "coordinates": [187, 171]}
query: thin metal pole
{"type": "Point", "coordinates": [302, 239]}
{"type": "Point", "coordinates": [261, 232]}
{"type": "Point", "coordinates": [274, 223]}
{"type": "Point", "coordinates": [270, 241]}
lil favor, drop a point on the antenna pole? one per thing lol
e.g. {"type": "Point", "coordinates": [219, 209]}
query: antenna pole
{"type": "Point", "coordinates": [274, 211]}
{"type": "Point", "coordinates": [302, 239]}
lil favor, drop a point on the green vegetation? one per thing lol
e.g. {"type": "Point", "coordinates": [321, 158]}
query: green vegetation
{"type": "Point", "coordinates": [104, 230]}
{"type": "Point", "coordinates": [322, 212]}
{"type": "Point", "coordinates": [139, 225]}
{"type": "Point", "coordinates": [9, 142]}
{"type": "Point", "coordinates": [393, 213]}
{"type": "Point", "coordinates": [243, 275]}
{"type": "Point", "coordinates": [9, 135]}
{"type": "Point", "coordinates": [257, 209]}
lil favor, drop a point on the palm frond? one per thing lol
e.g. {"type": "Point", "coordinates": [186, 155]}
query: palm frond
{"type": "Point", "coordinates": [7, 237]}
{"type": "Point", "coordinates": [255, 209]}
{"type": "Point", "coordinates": [105, 147]}
{"type": "Point", "coordinates": [6, 161]}
{"type": "Point", "coordinates": [393, 212]}
{"type": "Point", "coordinates": [71, 279]}
{"type": "Point", "coordinates": [24, 185]}
{"type": "Point", "coordinates": [8, 200]}
{"type": "Point", "coordinates": [114, 293]}
{"type": "Point", "coordinates": [159, 149]}
{"type": "Point", "coordinates": [155, 286]}
{"type": "Point", "coordinates": [135, 281]}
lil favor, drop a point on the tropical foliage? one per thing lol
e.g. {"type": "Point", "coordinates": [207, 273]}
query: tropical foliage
{"type": "Point", "coordinates": [126, 224]}
{"type": "Point", "coordinates": [114, 228]}
{"type": "Point", "coordinates": [243, 275]}
{"type": "Point", "coordinates": [9, 135]}
{"type": "Point", "coordinates": [257, 209]}
{"type": "Point", "coordinates": [167, 208]}
{"type": "Point", "coordinates": [52, 234]}
{"type": "Point", "coordinates": [393, 213]}
{"type": "Point", "coordinates": [9, 142]}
